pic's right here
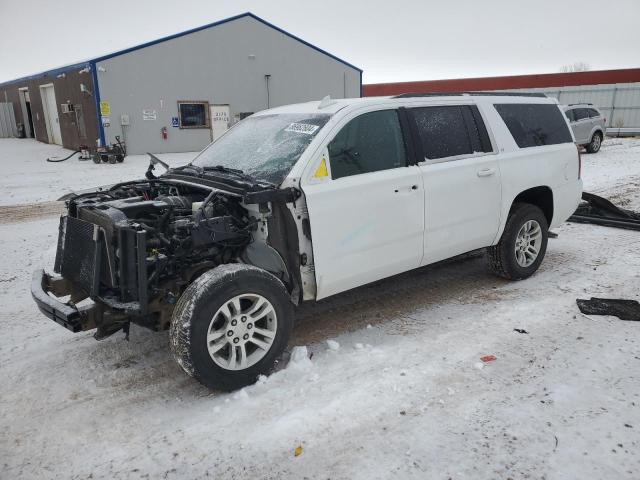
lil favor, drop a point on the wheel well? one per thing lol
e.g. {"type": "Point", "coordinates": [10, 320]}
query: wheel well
{"type": "Point", "coordinates": [541, 197]}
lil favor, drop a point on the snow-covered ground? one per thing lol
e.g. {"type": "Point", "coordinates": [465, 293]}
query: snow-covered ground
{"type": "Point", "coordinates": [28, 178]}
{"type": "Point", "coordinates": [394, 386]}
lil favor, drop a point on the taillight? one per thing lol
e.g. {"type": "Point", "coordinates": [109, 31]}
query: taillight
{"type": "Point", "coordinates": [579, 162]}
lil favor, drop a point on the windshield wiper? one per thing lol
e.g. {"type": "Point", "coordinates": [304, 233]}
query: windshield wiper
{"type": "Point", "coordinates": [220, 168]}
{"type": "Point", "coordinates": [233, 171]}
{"type": "Point", "coordinates": [189, 166]}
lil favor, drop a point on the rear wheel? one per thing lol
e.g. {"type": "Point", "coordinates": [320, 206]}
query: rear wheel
{"type": "Point", "coordinates": [595, 144]}
{"type": "Point", "coordinates": [231, 325]}
{"type": "Point", "coordinates": [523, 244]}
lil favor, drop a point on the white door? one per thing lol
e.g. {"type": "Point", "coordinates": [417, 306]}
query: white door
{"type": "Point", "coordinates": [366, 209]}
{"type": "Point", "coordinates": [461, 180]}
{"type": "Point", "coordinates": [219, 115]}
{"type": "Point", "coordinates": [462, 206]}
{"type": "Point", "coordinates": [582, 125]}
{"type": "Point", "coordinates": [50, 108]}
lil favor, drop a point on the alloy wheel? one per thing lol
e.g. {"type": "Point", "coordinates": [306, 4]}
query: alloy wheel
{"type": "Point", "coordinates": [242, 331]}
{"type": "Point", "coordinates": [528, 242]}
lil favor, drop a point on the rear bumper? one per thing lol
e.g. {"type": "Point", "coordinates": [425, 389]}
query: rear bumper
{"type": "Point", "coordinates": [69, 316]}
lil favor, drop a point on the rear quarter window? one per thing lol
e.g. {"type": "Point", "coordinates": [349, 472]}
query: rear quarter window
{"type": "Point", "coordinates": [569, 114]}
{"type": "Point", "coordinates": [581, 113]}
{"type": "Point", "coordinates": [533, 125]}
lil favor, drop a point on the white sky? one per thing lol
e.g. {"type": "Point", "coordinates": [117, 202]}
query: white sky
{"type": "Point", "coordinates": [394, 40]}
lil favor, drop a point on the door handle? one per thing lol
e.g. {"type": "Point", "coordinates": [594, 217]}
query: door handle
{"type": "Point", "coordinates": [486, 172]}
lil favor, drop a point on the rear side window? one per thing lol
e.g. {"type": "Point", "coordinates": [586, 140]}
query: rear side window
{"type": "Point", "coordinates": [593, 112]}
{"type": "Point", "coordinates": [581, 113]}
{"type": "Point", "coordinates": [533, 124]}
{"type": "Point", "coordinates": [450, 131]}
{"type": "Point", "coordinates": [368, 143]}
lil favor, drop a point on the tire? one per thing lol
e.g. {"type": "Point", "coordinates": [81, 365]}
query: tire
{"type": "Point", "coordinates": [595, 144]}
{"type": "Point", "coordinates": [209, 306]}
{"type": "Point", "coordinates": [504, 260]}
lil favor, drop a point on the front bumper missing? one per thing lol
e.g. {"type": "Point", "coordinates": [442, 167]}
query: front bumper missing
{"type": "Point", "coordinates": [69, 316]}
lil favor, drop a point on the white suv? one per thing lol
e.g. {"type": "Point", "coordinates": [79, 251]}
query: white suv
{"type": "Point", "coordinates": [302, 202]}
{"type": "Point", "coordinates": [587, 124]}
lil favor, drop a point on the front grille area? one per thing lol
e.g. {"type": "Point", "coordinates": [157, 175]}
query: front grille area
{"type": "Point", "coordinates": [78, 253]}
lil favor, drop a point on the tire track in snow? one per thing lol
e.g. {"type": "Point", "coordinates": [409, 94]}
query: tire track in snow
{"type": "Point", "coordinates": [10, 214]}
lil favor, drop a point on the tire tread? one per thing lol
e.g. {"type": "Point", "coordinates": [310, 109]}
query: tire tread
{"type": "Point", "coordinates": [497, 254]}
{"type": "Point", "coordinates": [200, 289]}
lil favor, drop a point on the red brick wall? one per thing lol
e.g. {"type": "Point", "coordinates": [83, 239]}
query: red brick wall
{"type": "Point", "coordinates": [504, 83]}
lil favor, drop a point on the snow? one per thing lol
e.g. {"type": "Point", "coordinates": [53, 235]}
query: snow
{"type": "Point", "coordinates": [413, 401]}
{"type": "Point", "coordinates": [333, 345]}
{"type": "Point", "coordinates": [28, 178]}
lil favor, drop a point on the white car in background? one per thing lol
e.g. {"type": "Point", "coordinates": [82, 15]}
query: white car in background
{"type": "Point", "coordinates": [302, 202]}
{"type": "Point", "coordinates": [587, 124]}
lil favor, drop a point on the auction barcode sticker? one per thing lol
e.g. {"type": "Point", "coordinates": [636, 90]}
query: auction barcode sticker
{"type": "Point", "coordinates": [302, 128]}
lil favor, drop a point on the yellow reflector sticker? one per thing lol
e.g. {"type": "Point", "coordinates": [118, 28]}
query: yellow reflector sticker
{"type": "Point", "coordinates": [321, 171]}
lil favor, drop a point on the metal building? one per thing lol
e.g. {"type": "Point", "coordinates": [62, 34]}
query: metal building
{"type": "Point", "coordinates": [615, 92]}
{"type": "Point", "coordinates": [178, 93]}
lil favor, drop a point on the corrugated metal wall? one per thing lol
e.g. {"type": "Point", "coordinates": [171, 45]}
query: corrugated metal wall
{"type": "Point", "coordinates": [620, 102]}
{"type": "Point", "coordinates": [226, 65]}
{"type": "Point", "coordinates": [8, 126]}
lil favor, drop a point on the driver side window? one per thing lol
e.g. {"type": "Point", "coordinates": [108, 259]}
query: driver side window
{"type": "Point", "coordinates": [368, 143]}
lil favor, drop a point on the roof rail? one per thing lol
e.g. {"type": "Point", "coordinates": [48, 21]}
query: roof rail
{"type": "Point", "coordinates": [479, 94]}
{"type": "Point", "coordinates": [573, 104]}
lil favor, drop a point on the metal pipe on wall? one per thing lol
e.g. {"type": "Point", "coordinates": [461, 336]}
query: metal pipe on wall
{"type": "Point", "coordinates": [266, 81]}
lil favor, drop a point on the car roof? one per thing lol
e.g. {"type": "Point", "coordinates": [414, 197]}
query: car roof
{"type": "Point", "coordinates": [579, 105]}
{"type": "Point", "coordinates": [331, 106]}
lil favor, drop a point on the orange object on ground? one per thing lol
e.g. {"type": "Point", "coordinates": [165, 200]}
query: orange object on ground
{"type": "Point", "coordinates": [488, 358]}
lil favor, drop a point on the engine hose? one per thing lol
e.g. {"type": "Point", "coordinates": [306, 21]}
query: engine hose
{"type": "Point", "coordinates": [56, 160]}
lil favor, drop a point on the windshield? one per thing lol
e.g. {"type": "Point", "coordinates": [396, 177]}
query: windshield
{"type": "Point", "coordinates": [265, 147]}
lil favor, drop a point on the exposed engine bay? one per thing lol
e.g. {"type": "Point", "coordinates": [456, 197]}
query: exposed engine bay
{"type": "Point", "coordinates": [133, 248]}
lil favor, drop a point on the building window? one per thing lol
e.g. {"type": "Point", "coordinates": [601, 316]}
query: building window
{"type": "Point", "coordinates": [193, 114]}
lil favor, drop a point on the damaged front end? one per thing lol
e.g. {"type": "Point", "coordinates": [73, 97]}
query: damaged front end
{"type": "Point", "coordinates": [126, 254]}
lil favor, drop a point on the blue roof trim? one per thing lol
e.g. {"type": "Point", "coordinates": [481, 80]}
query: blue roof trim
{"type": "Point", "coordinates": [48, 73]}
{"type": "Point", "coordinates": [93, 61]}
{"type": "Point", "coordinates": [215, 24]}
{"type": "Point", "coordinates": [96, 99]}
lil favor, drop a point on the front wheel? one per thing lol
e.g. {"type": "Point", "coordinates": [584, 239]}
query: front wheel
{"type": "Point", "coordinates": [523, 244]}
{"type": "Point", "coordinates": [594, 145]}
{"type": "Point", "coordinates": [231, 325]}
